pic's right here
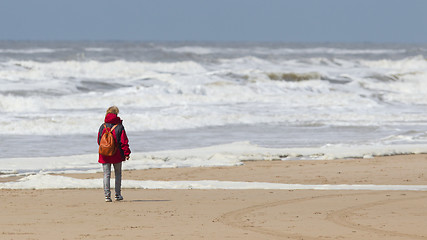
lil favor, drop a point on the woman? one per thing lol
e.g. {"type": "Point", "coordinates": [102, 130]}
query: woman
{"type": "Point", "coordinates": [112, 121]}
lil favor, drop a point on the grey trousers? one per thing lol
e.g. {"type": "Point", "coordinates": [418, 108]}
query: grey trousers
{"type": "Point", "coordinates": [107, 176]}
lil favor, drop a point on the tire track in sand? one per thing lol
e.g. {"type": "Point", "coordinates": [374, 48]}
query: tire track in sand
{"type": "Point", "coordinates": [237, 218]}
{"type": "Point", "coordinates": [340, 218]}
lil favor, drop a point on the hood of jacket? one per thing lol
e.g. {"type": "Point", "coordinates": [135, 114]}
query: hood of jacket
{"type": "Point", "coordinates": [112, 118]}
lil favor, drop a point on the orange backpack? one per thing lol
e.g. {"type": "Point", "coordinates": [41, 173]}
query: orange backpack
{"type": "Point", "coordinates": [107, 145]}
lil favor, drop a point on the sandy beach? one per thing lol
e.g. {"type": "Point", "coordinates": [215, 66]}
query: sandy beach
{"type": "Point", "coordinates": [233, 214]}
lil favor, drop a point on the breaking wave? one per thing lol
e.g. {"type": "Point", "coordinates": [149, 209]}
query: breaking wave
{"type": "Point", "coordinates": [62, 90]}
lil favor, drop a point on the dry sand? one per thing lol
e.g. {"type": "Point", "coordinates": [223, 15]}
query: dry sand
{"type": "Point", "coordinates": [233, 214]}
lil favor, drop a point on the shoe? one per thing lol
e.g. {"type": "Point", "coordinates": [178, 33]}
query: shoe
{"type": "Point", "coordinates": [108, 199]}
{"type": "Point", "coordinates": [118, 197]}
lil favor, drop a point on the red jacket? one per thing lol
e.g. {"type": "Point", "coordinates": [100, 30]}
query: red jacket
{"type": "Point", "coordinates": [118, 132]}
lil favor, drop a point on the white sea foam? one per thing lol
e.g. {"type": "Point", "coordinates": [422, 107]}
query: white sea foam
{"type": "Point", "coordinates": [202, 50]}
{"type": "Point", "coordinates": [97, 49]}
{"type": "Point", "coordinates": [182, 95]}
{"type": "Point", "coordinates": [55, 90]}
{"type": "Point", "coordinates": [31, 50]}
{"type": "Point", "coordinates": [43, 181]}
{"type": "Point", "coordinates": [194, 50]}
{"type": "Point", "coordinates": [219, 155]}
{"type": "Point", "coordinates": [335, 51]}
{"type": "Point", "coordinates": [32, 71]}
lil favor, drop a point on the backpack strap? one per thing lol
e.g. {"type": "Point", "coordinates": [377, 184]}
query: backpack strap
{"type": "Point", "coordinates": [111, 130]}
{"type": "Point", "coordinates": [104, 126]}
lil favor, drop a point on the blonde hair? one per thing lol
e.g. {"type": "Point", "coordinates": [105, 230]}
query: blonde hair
{"type": "Point", "coordinates": [113, 109]}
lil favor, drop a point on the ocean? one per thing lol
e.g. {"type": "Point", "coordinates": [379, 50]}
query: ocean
{"type": "Point", "coordinates": [179, 96]}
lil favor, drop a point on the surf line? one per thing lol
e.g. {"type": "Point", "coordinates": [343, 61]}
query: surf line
{"type": "Point", "coordinates": [46, 181]}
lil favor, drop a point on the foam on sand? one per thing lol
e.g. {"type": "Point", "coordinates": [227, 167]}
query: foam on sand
{"type": "Point", "coordinates": [232, 154]}
{"type": "Point", "coordinates": [44, 181]}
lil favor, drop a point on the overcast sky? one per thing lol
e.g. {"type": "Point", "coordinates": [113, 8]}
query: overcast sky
{"type": "Point", "coordinates": [215, 20]}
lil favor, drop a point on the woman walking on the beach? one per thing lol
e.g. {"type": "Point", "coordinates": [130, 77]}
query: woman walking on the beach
{"type": "Point", "coordinates": [113, 123]}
